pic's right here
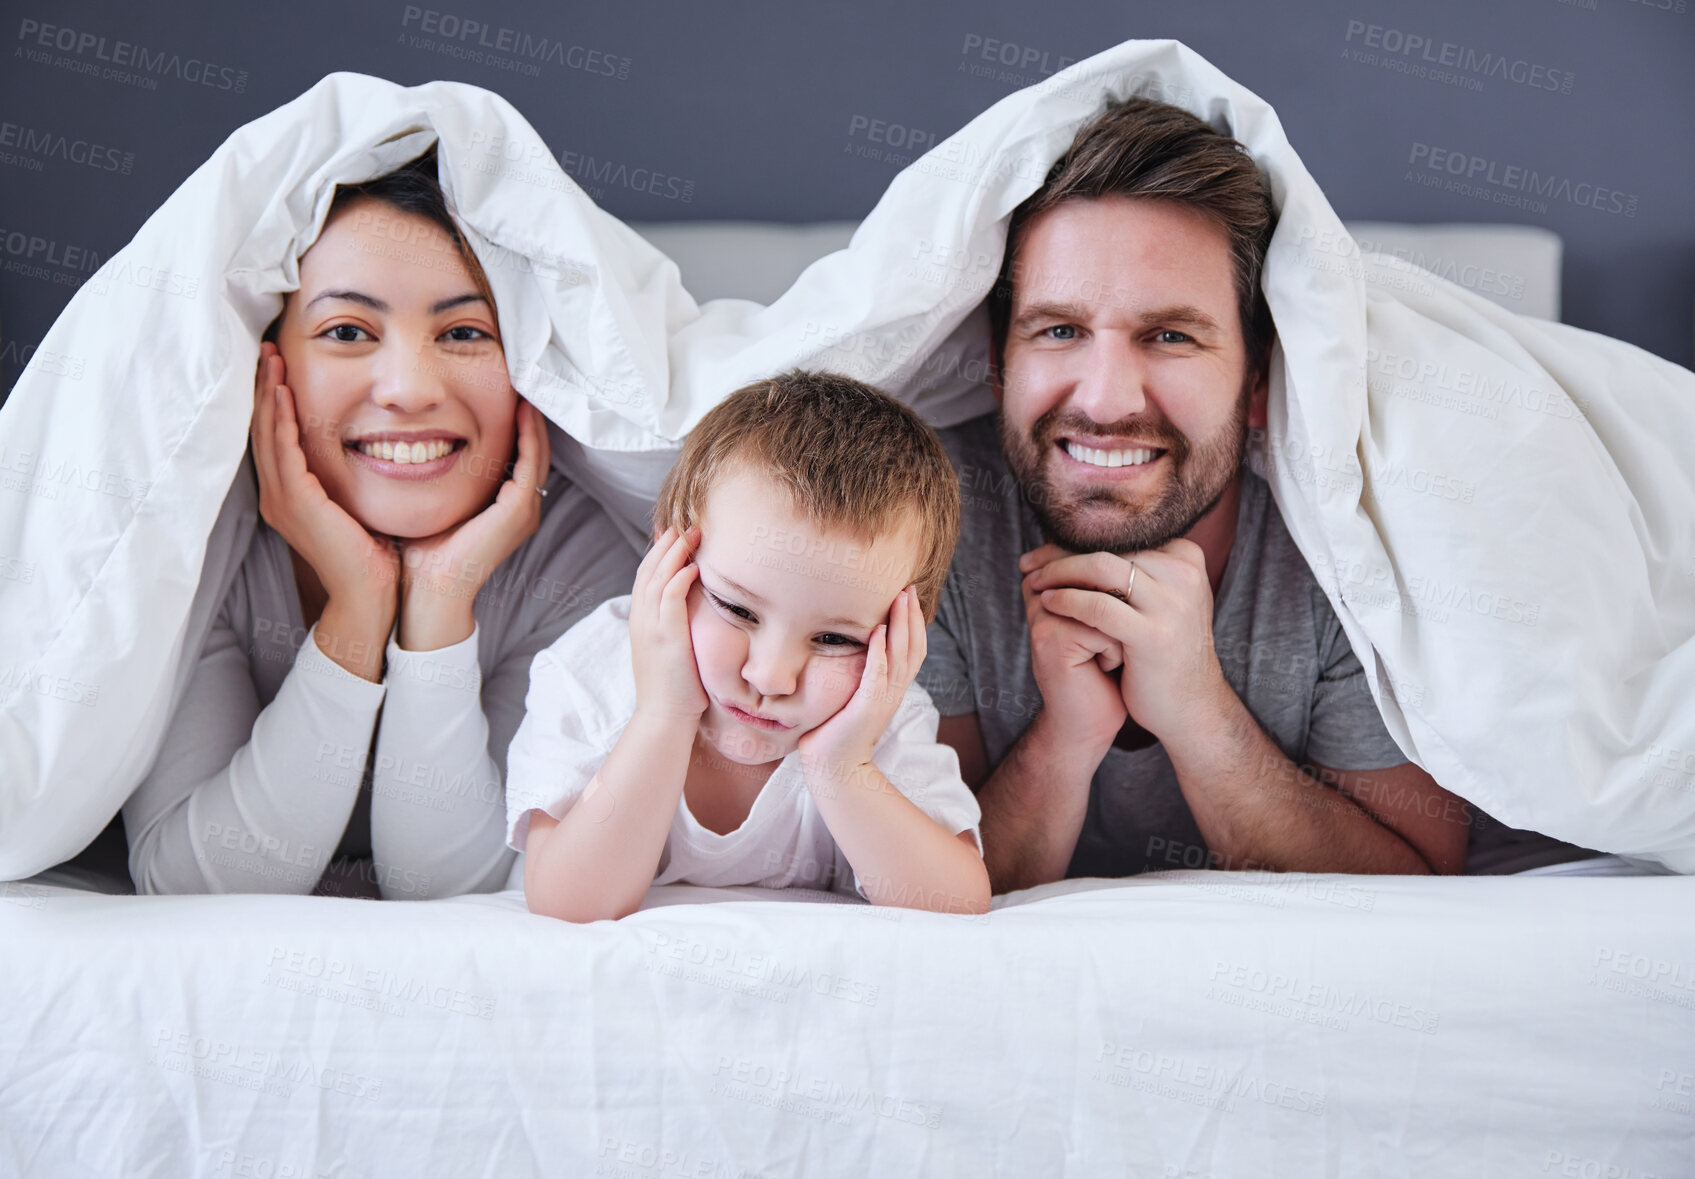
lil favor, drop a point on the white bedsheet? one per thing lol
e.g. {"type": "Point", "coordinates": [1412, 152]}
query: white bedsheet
{"type": "Point", "coordinates": [1184, 1024]}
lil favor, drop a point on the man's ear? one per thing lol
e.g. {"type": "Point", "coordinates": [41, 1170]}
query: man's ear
{"type": "Point", "coordinates": [1258, 400]}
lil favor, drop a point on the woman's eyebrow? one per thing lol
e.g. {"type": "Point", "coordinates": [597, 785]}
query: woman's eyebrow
{"type": "Point", "coordinates": [359, 297]}
{"type": "Point", "coordinates": [376, 304]}
{"type": "Point", "coordinates": [456, 301]}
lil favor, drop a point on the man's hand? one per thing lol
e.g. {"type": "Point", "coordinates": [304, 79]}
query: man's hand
{"type": "Point", "coordinates": [668, 683]}
{"type": "Point", "coordinates": [1172, 683]}
{"type": "Point", "coordinates": [896, 651]}
{"type": "Point", "coordinates": [1080, 703]}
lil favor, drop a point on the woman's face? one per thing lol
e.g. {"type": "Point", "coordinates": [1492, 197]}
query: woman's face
{"type": "Point", "coordinates": [407, 415]}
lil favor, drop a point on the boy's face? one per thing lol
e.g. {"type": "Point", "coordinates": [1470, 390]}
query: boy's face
{"type": "Point", "coordinates": [781, 614]}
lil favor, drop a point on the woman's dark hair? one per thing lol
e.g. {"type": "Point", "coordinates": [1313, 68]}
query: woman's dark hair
{"type": "Point", "coordinates": [413, 188]}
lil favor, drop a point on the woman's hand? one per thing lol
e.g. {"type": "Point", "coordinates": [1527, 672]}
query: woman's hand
{"type": "Point", "coordinates": [668, 685]}
{"type": "Point", "coordinates": [441, 574]}
{"type": "Point", "coordinates": [359, 571]}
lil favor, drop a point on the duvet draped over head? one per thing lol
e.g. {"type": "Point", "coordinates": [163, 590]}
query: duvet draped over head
{"type": "Point", "coordinates": [1529, 643]}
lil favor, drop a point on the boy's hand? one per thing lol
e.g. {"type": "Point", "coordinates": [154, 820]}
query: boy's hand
{"type": "Point", "coordinates": [896, 651]}
{"type": "Point", "coordinates": [667, 678]}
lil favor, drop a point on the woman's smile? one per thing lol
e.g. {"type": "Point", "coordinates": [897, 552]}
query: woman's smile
{"type": "Point", "coordinates": [412, 457]}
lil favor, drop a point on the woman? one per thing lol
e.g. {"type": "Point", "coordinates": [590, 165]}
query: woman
{"type": "Point", "coordinates": [346, 726]}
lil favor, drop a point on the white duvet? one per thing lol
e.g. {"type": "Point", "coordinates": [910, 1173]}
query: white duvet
{"type": "Point", "coordinates": [1501, 509]}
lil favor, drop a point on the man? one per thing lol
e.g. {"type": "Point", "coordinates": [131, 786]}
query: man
{"type": "Point", "coordinates": [1133, 660]}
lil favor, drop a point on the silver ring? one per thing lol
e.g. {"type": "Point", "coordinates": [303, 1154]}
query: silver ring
{"type": "Point", "coordinates": [542, 491]}
{"type": "Point", "coordinates": [1131, 587]}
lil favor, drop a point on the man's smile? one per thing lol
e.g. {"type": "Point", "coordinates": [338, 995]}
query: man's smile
{"type": "Point", "coordinates": [1093, 461]}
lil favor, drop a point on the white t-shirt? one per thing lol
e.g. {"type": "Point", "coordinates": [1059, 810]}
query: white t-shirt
{"type": "Point", "coordinates": [583, 693]}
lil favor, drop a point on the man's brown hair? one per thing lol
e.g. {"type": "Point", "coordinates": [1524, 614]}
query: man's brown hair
{"type": "Point", "coordinates": [1154, 151]}
{"type": "Point", "coordinates": [851, 457]}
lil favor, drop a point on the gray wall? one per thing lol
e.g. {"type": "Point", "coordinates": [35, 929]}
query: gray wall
{"type": "Point", "coordinates": [736, 110]}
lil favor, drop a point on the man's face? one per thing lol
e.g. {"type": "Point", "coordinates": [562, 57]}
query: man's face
{"type": "Point", "coordinates": [1124, 400]}
{"type": "Point", "coordinates": [781, 615]}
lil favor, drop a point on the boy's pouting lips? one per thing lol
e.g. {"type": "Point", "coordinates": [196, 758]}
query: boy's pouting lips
{"type": "Point", "coordinates": [781, 614]}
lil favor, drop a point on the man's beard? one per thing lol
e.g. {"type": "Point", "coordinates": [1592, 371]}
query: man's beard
{"type": "Point", "coordinates": [1102, 519]}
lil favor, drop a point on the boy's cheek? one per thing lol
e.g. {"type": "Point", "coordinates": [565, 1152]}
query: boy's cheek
{"type": "Point", "coordinates": [719, 650]}
{"type": "Point", "coordinates": [832, 683]}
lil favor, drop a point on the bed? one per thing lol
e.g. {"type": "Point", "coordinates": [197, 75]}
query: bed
{"type": "Point", "coordinates": [1176, 1026]}
{"type": "Point", "coordinates": [1179, 1024]}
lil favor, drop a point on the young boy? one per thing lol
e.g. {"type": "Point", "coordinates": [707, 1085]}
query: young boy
{"type": "Point", "coordinates": [747, 715]}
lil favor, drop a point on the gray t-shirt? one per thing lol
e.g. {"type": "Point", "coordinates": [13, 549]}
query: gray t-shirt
{"type": "Point", "coordinates": [1278, 641]}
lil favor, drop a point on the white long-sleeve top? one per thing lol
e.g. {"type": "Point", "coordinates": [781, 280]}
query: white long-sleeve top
{"type": "Point", "coordinates": [258, 783]}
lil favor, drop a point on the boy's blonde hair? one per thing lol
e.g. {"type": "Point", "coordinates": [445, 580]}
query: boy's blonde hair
{"type": "Point", "coordinates": [851, 457]}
